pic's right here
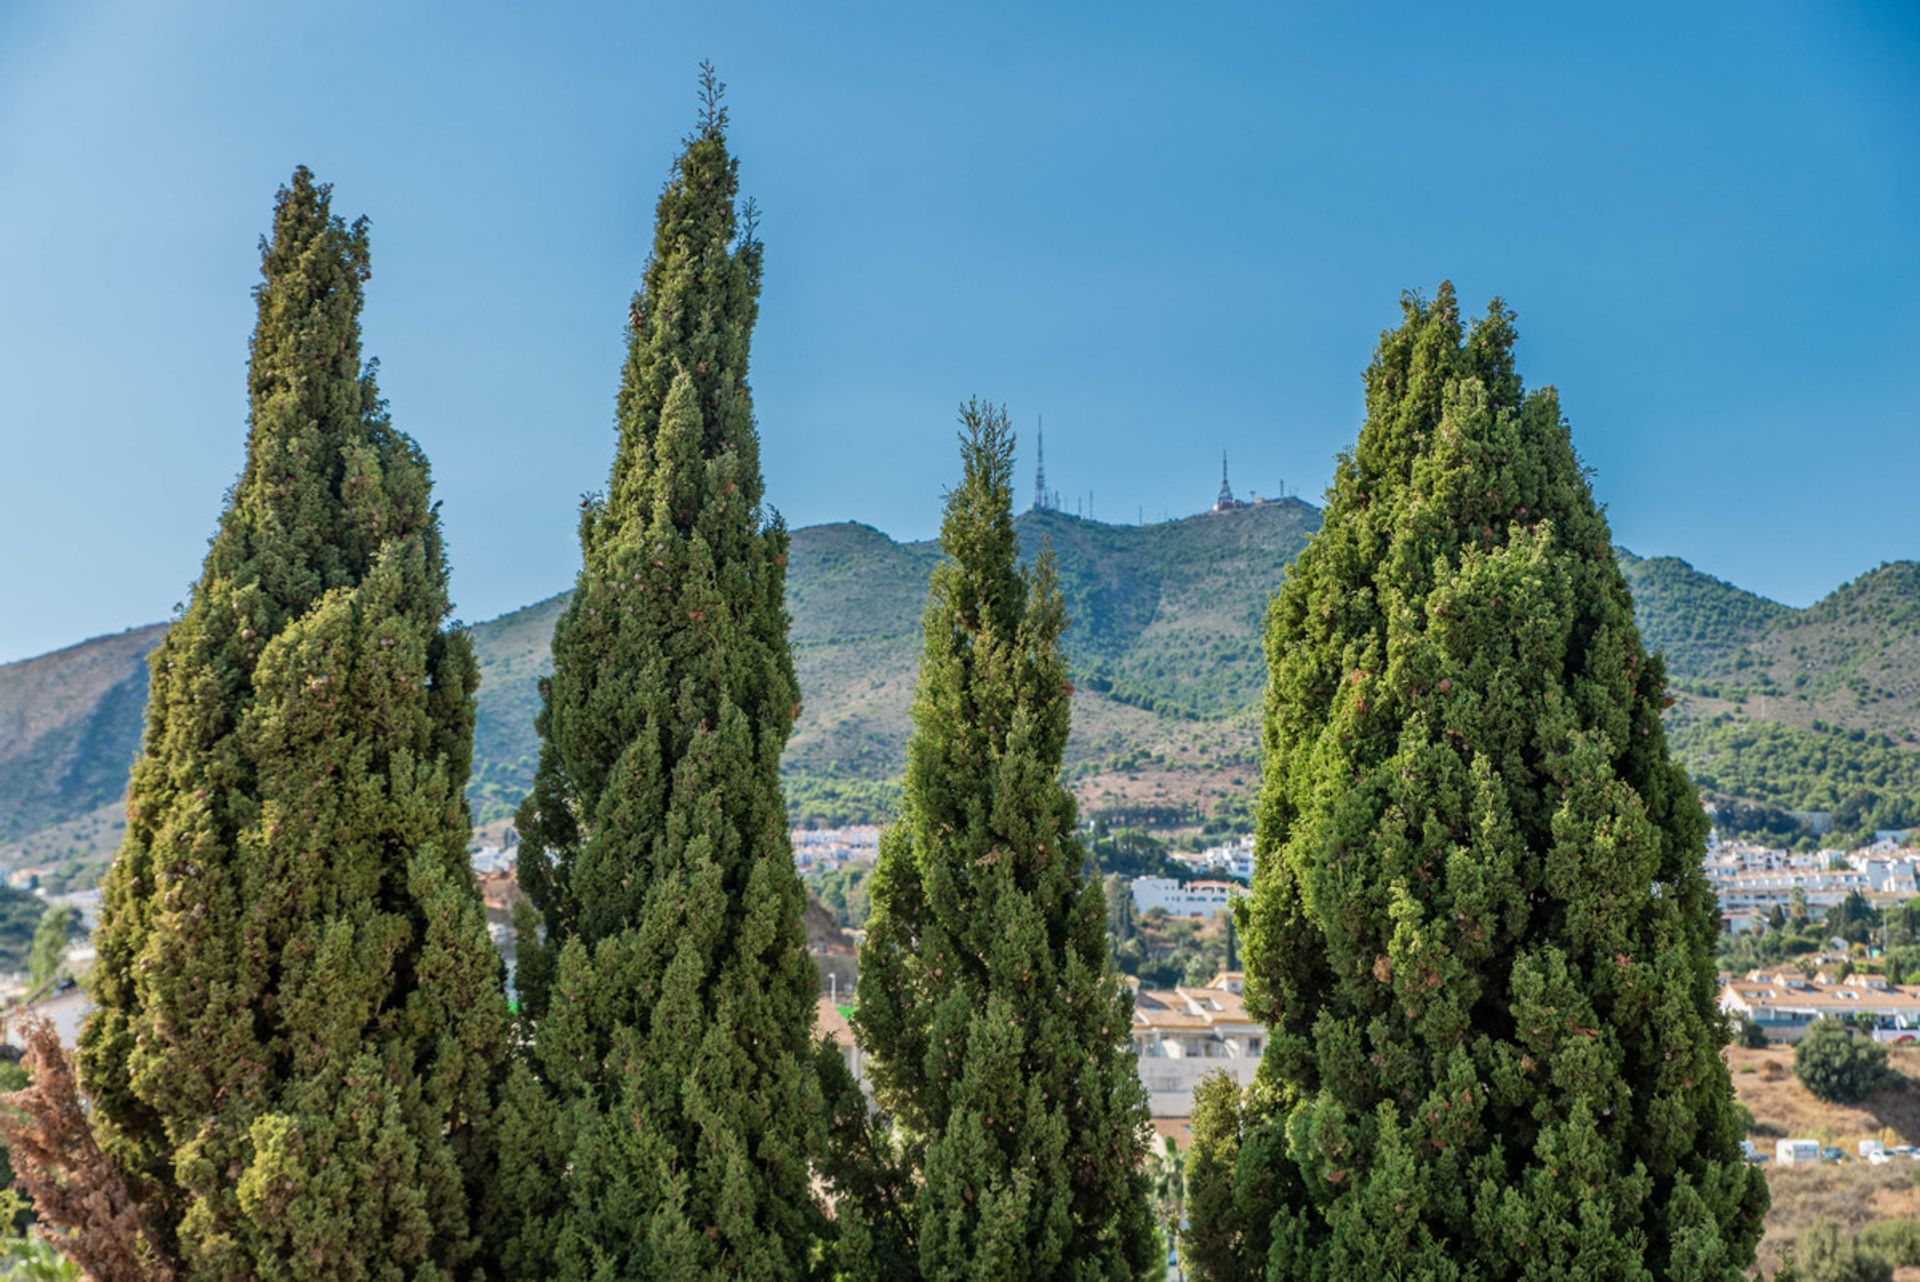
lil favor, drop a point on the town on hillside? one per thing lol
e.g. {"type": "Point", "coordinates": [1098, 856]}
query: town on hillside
{"type": "Point", "coordinates": [1804, 936]}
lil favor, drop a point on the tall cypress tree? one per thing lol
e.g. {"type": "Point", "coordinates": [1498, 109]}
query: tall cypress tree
{"type": "Point", "coordinates": [1480, 933]}
{"type": "Point", "coordinates": [300, 1016]}
{"type": "Point", "coordinates": [677, 1110]}
{"type": "Point", "coordinates": [997, 1027]}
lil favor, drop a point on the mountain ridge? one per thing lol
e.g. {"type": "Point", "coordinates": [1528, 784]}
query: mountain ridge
{"type": "Point", "coordinates": [1166, 653]}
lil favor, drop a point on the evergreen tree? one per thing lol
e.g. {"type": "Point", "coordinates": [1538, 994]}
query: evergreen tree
{"type": "Point", "coordinates": [1213, 1243]}
{"type": "Point", "coordinates": [300, 1018]}
{"type": "Point", "coordinates": [49, 950]}
{"type": "Point", "coordinates": [670, 1122]}
{"type": "Point", "coordinates": [997, 1029]}
{"type": "Point", "coordinates": [1480, 934]}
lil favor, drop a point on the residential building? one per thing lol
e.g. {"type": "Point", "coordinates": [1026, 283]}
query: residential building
{"type": "Point", "coordinates": [1184, 1034]}
{"type": "Point", "coordinates": [1194, 899]}
{"type": "Point", "coordinates": [1784, 1003]}
{"type": "Point", "coordinates": [829, 1020]}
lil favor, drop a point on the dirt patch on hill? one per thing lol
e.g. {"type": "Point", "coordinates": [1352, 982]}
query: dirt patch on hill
{"type": "Point", "coordinates": [1851, 1193]}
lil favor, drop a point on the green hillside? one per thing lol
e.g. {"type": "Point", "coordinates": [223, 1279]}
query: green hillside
{"type": "Point", "coordinates": [1164, 644]}
{"type": "Point", "coordinates": [1784, 709]}
{"type": "Point", "coordinates": [1851, 659]}
{"type": "Point", "coordinates": [1701, 623]}
{"type": "Point", "coordinates": [513, 655]}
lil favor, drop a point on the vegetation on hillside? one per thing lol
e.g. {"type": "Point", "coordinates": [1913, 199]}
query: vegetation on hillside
{"type": "Point", "coordinates": [1163, 710]}
{"type": "Point", "coordinates": [1163, 951]}
{"type": "Point", "coordinates": [1860, 779]}
{"type": "Point", "coordinates": [1696, 622]}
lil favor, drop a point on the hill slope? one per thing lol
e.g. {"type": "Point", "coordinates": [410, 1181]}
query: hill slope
{"type": "Point", "coordinates": [1164, 645]}
{"type": "Point", "coordinates": [69, 726]}
{"type": "Point", "coordinates": [1799, 710]}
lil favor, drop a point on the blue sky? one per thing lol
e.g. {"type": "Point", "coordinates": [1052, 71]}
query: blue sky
{"type": "Point", "coordinates": [1170, 229]}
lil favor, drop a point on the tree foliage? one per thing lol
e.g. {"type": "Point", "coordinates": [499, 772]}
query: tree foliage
{"type": "Point", "coordinates": [672, 1114]}
{"type": "Point", "coordinates": [300, 1020]}
{"type": "Point", "coordinates": [49, 951]}
{"type": "Point", "coordinates": [77, 1189]}
{"type": "Point", "coordinates": [1480, 933]}
{"type": "Point", "coordinates": [996, 1025]}
{"type": "Point", "coordinates": [1838, 1066]}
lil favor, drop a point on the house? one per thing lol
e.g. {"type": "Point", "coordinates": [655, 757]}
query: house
{"type": "Point", "coordinates": [1234, 860]}
{"type": "Point", "coordinates": [1784, 1004]}
{"type": "Point", "coordinates": [1796, 1152]}
{"type": "Point", "coordinates": [1182, 1035]}
{"type": "Point", "coordinates": [830, 1021]}
{"type": "Point", "coordinates": [66, 1009]}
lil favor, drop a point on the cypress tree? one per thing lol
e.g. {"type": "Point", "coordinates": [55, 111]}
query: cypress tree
{"type": "Point", "coordinates": [673, 1114]}
{"type": "Point", "coordinates": [997, 1029]}
{"type": "Point", "coordinates": [300, 1018]}
{"type": "Point", "coordinates": [1480, 934]}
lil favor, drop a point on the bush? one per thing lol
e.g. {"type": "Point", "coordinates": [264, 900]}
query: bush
{"type": "Point", "coordinates": [1895, 1241]}
{"type": "Point", "coordinates": [1837, 1066]}
{"type": "Point", "coordinates": [1826, 1254]}
{"type": "Point", "coordinates": [1747, 1033]}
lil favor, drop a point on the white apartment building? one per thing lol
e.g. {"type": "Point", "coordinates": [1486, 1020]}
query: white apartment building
{"type": "Point", "coordinates": [1195, 899]}
{"type": "Point", "coordinates": [1184, 1034]}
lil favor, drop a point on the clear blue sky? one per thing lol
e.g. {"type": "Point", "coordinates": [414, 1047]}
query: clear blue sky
{"type": "Point", "coordinates": [1170, 229]}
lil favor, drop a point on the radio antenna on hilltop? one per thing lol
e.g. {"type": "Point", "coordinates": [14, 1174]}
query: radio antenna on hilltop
{"type": "Point", "coordinates": [1040, 465]}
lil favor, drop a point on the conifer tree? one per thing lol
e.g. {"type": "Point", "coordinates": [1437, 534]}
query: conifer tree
{"type": "Point", "coordinates": [300, 1019]}
{"type": "Point", "coordinates": [1480, 934]}
{"type": "Point", "coordinates": [997, 1028]}
{"type": "Point", "coordinates": [673, 1114]}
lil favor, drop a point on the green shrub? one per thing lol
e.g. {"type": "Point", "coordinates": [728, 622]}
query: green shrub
{"type": "Point", "coordinates": [1837, 1066]}
{"type": "Point", "coordinates": [1895, 1241]}
{"type": "Point", "coordinates": [1826, 1254]}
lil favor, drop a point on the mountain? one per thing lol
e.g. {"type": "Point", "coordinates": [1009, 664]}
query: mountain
{"type": "Point", "coordinates": [1164, 644]}
{"type": "Point", "coordinates": [1785, 710]}
{"type": "Point", "coordinates": [1699, 622]}
{"type": "Point", "coordinates": [70, 724]}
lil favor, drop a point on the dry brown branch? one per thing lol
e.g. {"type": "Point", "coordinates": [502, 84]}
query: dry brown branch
{"type": "Point", "coordinates": [79, 1194]}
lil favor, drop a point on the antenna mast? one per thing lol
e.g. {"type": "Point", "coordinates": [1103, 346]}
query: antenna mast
{"type": "Point", "coordinates": [1040, 466]}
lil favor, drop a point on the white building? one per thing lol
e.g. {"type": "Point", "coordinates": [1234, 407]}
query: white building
{"type": "Point", "coordinates": [1233, 860]}
{"type": "Point", "coordinates": [1784, 1004]}
{"type": "Point", "coordinates": [1184, 1034]}
{"type": "Point", "coordinates": [1195, 899]}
